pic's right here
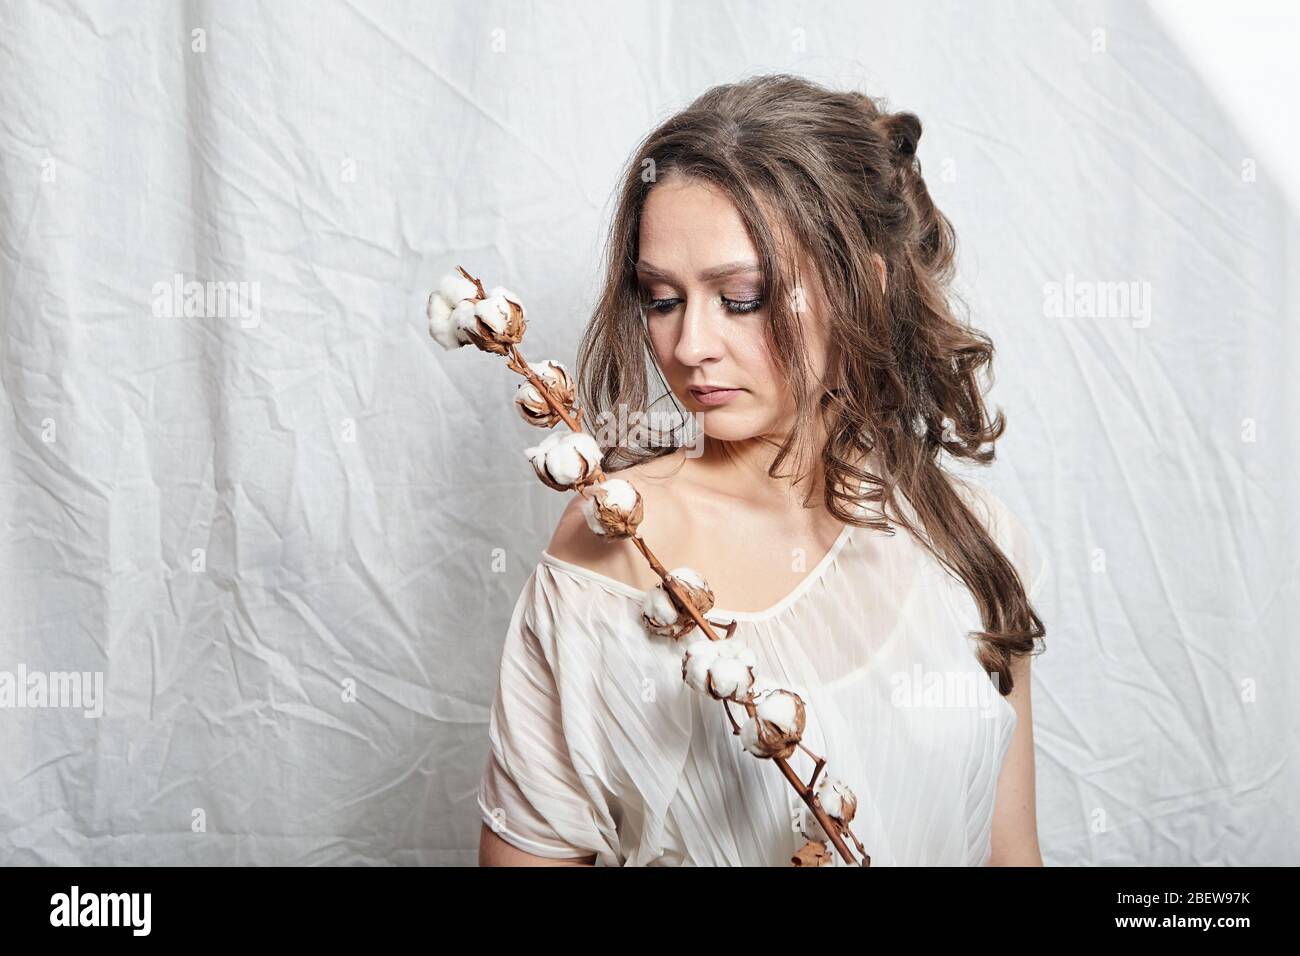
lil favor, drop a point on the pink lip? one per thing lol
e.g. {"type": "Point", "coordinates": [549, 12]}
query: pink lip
{"type": "Point", "coordinates": [716, 396]}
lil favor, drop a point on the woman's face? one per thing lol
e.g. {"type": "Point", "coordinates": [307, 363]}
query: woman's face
{"type": "Point", "coordinates": [699, 275]}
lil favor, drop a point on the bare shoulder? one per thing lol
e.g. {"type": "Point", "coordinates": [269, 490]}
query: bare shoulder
{"type": "Point", "coordinates": [574, 541]}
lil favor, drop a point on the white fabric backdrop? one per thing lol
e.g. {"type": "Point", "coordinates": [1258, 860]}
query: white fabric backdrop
{"type": "Point", "coordinates": [238, 518]}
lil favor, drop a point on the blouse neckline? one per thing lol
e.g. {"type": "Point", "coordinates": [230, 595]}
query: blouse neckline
{"type": "Point", "coordinates": [621, 587]}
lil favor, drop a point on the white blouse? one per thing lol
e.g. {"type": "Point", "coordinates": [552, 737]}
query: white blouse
{"type": "Point", "coordinates": [599, 746]}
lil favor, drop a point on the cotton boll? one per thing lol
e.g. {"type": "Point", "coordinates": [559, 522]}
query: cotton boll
{"type": "Point", "coordinates": [809, 826]}
{"type": "Point", "coordinates": [692, 584]}
{"type": "Point", "coordinates": [572, 457]}
{"type": "Point", "coordinates": [735, 648]}
{"type": "Point", "coordinates": [494, 311]}
{"type": "Point", "coordinates": [837, 799]}
{"type": "Point", "coordinates": [749, 738]}
{"type": "Point", "coordinates": [441, 326]}
{"type": "Point", "coordinates": [455, 287]}
{"type": "Point", "coordinates": [537, 453]}
{"type": "Point", "coordinates": [703, 648]}
{"type": "Point", "coordinates": [694, 590]}
{"type": "Point", "coordinates": [659, 614]}
{"type": "Point", "coordinates": [620, 494]}
{"type": "Point", "coordinates": [702, 652]}
{"type": "Point", "coordinates": [690, 576]}
{"type": "Point", "coordinates": [722, 669]}
{"type": "Point", "coordinates": [533, 406]}
{"type": "Point", "coordinates": [663, 618]}
{"type": "Point", "coordinates": [777, 724]}
{"type": "Point", "coordinates": [498, 308]}
{"type": "Point", "coordinates": [553, 373]}
{"type": "Point", "coordinates": [778, 708]}
{"type": "Point", "coordinates": [504, 293]}
{"type": "Point", "coordinates": [463, 316]}
{"type": "Point", "coordinates": [730, 678]}
{"type": "Point", "coordinates": [613, 509]}
{"type": "Point", "coordinates": [438, 309]}
{"type": "Point", "coordinates": [697, 660]}
{"type": "Point", "coordinates": [494, 324]}
{"type": "Point", "coordinates": [563, 461]}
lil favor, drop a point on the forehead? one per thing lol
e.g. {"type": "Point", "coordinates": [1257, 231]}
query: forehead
{"type": "Point", "coordinates": [688, 226]}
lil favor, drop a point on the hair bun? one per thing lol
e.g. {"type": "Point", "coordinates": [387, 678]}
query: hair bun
{"type": "Point", "coordinates": [903, 130]}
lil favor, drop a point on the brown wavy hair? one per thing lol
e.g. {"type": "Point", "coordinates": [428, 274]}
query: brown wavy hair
{"type": "Point", "coordinates": [841, 176]}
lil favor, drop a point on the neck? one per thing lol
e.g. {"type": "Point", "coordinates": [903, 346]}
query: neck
{"type": "Point", "coordinates": [742, 467]}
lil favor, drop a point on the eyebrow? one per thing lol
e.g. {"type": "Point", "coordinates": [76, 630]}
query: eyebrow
{"type": "Point", "coordinates": [740, 267]}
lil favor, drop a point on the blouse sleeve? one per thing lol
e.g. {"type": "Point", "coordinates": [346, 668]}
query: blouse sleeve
{"type": "Point", "coordinates": [540, 789]}
{"type": "Point", "coordinates": [1028, 557]}
{"type": "Point", "coordinates": [1010, 533]}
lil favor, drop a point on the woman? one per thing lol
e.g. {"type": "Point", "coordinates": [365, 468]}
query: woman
{"type": "Point", "coordinates": [776, 253]}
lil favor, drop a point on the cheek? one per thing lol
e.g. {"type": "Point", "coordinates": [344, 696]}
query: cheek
{"type": "Point", "coordinates": [662, 342]}
{"type": "Point", "coordinates": [752, 353]}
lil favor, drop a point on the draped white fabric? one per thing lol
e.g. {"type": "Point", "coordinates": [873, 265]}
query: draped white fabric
{"type": "Point", "coordinates": [290, 543]}
{"type": "Point", "coordinates": [599, 747]}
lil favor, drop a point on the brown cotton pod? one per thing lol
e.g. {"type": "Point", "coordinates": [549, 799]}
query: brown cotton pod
{"type": "Point", "coordinates": [532, 404]}
{"type": "Point", "coordinates": [766, 736]}
{"type": "Point", "coordinates": [813, 853]}
{"type": "Point", "coordinates": [664, 615]}
{"type": "Point", "coordinates": [697, 591]}
{"type": "Point", "coordinates": [608, 512]}
{"type": "Point", "coordinates": [506, 328]}
{"type": "Point", "coordinates": [565, 462]}
{"type": "Point", "coordinates": [847, 803]}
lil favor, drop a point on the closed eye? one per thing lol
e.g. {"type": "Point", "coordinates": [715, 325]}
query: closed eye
{"type": "Point", "coordinates": [741, 306]}
{"type": "Point", "coordinates": [662, 306]}
{"type": "Point", "coordinates": [736, 306]}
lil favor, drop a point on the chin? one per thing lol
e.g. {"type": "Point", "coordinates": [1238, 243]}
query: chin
{"type": "Point", "coordinates": [723, 426]}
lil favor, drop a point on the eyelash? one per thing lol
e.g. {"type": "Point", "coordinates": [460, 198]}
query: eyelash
{"type": "Point", "coordinates": [734, 306]}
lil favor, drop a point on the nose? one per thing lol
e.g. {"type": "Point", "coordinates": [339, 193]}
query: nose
{"type": "Point", "coordinates": [699, 338]}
